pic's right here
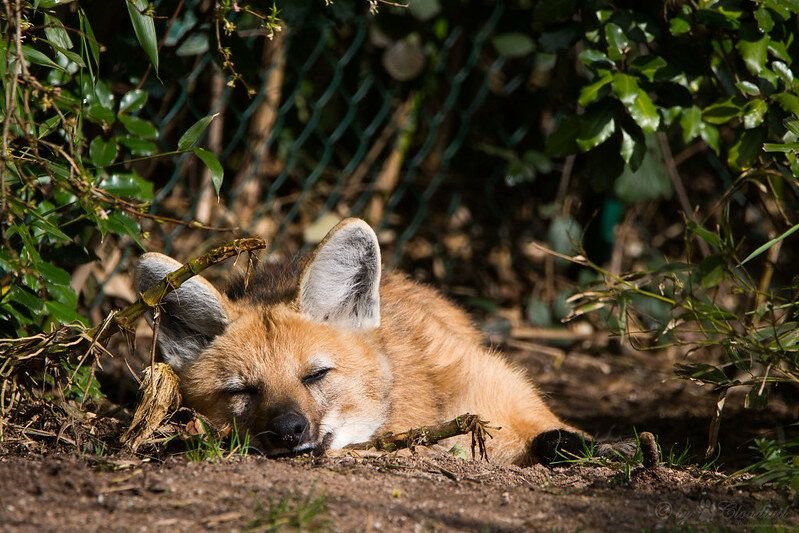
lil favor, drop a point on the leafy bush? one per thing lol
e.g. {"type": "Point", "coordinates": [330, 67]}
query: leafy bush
{"type": "Point", "coordinates": [661, 77]}
{"type": "Point", "coordinates": [69, 141]}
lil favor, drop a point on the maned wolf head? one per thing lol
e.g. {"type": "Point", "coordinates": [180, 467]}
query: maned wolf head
{"type": "Point", "coordinates": [294, 359]}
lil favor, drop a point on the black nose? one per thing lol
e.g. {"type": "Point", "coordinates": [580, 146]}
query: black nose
{"type": "Point", "coordinates": [288, 429]}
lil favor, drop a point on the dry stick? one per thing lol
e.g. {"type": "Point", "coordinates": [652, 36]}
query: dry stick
{"type": "Point", "coordinates": [715, 424]}
{"type": "Point", "coordinates": [429, 435]}
{"type": "Point", "coordinates": [151, 297]}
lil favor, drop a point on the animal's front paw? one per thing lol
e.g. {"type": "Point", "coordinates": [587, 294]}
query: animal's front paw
{"type": "Point", "coordinates": [558, 445]}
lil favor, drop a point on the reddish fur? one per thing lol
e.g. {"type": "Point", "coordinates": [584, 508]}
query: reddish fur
{"type": "Point", "coordinates": [424, 364]}
{"type": "Point", "coordinates": [436, 363]}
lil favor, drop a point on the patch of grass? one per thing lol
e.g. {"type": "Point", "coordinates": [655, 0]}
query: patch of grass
{"type": "Point", "coordinates": [304, 514]}
{"type": "Point", "coordinates": [676, 457]}
{"type": "Point", "coordinates": [779, 465]}
{"type": "Point", "coordinates": [588, 455]}
{"type": "Point", "coordinates": [593, 454]}
{"type": "Point", "coordinates": [95, 447]}
{"type": "Point", "coordinates": [211, 447]}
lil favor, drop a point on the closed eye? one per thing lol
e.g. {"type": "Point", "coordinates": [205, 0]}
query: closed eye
{"type": "Point", "coordinates": [315, 376]}
{"type": "Point", "coordinates": [245, 390]}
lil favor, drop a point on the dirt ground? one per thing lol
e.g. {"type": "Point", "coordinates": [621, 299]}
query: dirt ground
{"type": "Point", "coordinates": [608, 395]}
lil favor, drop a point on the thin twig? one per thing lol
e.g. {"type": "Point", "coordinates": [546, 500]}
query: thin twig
{"type": "Point", "coordinates": [429, 435]}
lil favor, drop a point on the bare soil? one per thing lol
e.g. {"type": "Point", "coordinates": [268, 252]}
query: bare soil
{"type": "Point", "coordinates": [45, 484]}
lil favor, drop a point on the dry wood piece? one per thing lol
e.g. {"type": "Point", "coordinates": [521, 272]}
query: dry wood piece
{"type": "Point", "coordinates": [649, 449]}
{"type": "Point", "coordinates": [429, 435]}
{"type": "Point", "coordinates": [159, 393]}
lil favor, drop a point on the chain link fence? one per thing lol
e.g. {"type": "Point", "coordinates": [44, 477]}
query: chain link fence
{"type": "Point", "coordinates": [330, 130]}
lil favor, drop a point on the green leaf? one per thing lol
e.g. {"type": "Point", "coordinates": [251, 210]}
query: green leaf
{"type": "Point", "coordinates": [746, 150]}
{"type": "Point", "coordinates": [783, 71]}
{"type": "Point", "coordinates": [102, 152]}
{"type": "Point", "coordinates": [784, 148]}
{"type": "Point", "coordinates": [618, 43]}
{"type": "Point", "coordinates": [764, 20]}
{"type": "Point", "coordinates": [705, 234]}
{"type": "Point", "coordinates": [53, 274]}
{"type": "Point", "coordinates": [513, 44]}
{"type": "Point", "coordinates": [63, 313]}
{"type": "Point", "coordinates": [648, 66]}
{"type": "Point", "coordinates": [789, 102]}
{"type": "Point", "coordinates": [710, 134]}
{"type": "Point", "coordinates": [49, 228]}
{"type": "Point", "coordinates": [86, 28]}
{"type": "Point", "coordinates": [144, 27]}
{"type": "Point", "coordinates": [210, 160]}
{"type": "Point", "coordinates": [48, 126]}
{"type": "Point", "coordinates": [38, 58]}
{"type": "Point", "coordinates": [679, 26]}
{"type": "Point", "coordinates": [72, 56]}
{"type": "Point", "coordinates": [48, 4]}
{"type": "Point", "coordinates": [99, 114]}
{"type": "Point", "coordinates": [122, 224]}
{"type": "Point", "coordinates": [193, 134]}
{"type": "Point", "coordinates": [133, 101]}
{"type": "Point", "coordinates": [691, 123]}
{"type": "Point", "coordinates": [138, 147]}
{"type": "Point", "coordinates": [128, 184]}
{"type": "Point", "coordinates": [753, 113]}
{"type": "Point", "coordinates": [754, 53]}
{"type": "Point", "coordinates": [590, 93]}
{"type": "Point", "coordinates": [596, 59]}
{"type": "Point", "coordinates": [703, 372]}
{"type": "Point", "coordinates": [644, 112]}
{"type": "Point", "coordinates": [792, 125]}
{"type": "Point", "coordinates": [721, 112]}
{"type": "Point", "coordinates": [711, 271]}
{"type": "Point", "coordinates": [597, 126]}
{"type": "Point", "coordinates": [625, 87]}
{"type": "Point", "coordinates": [55, 31]}
{"type": "Point", "coordinates": [633, 148]}
{"type": "Point", "coordinates": [771, 243]}
{"type": "Point", "coordinates": [24, 296]}
{"type": "Point", "coordinates": [139, 127]}
{"type": "Point", "coordinates": [748, 88]}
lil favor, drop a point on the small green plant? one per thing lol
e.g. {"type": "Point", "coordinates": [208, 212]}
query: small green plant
{"type": "Point", "coordinates": [307, 513]}
{"type": "Point", "coordinates": [95, 447]}
{"type": "Point", "coordinates": [212, 447]}
{"type": "Point", "coordinates": [677, 456]}
{"type": "Point", "coordinates": [778, 466]}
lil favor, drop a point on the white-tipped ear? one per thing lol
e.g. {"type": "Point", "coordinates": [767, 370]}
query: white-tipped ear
{"type": "Point", "coordinates": [341, 283]}
{"type": "Point", "coordinates": [191, 316]}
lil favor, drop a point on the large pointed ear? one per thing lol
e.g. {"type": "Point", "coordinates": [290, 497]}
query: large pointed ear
{"type": "Point", "coordinates": [341, 282]}
{"type": "Point", "coordinates": [191, 316]}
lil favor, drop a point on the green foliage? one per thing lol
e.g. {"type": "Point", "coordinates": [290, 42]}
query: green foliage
{"type": "Point", "coordinates": [70, 141]}
{"type": "Point", "coordinates": [657, 79]}
{"type": "Point", "coordinates": [778, 465]}
{"type": "Point", "coordinates": [713, 66]}
{"type": "Point", "coordinates": [307, 513]}
{"type": "Point", "coordinates": [212, 448]}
